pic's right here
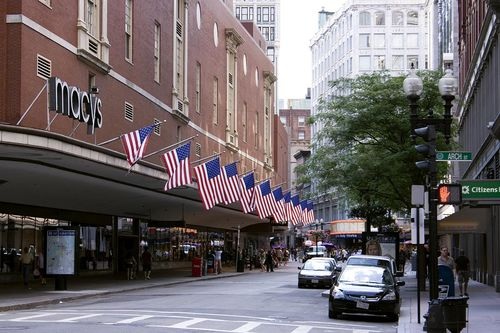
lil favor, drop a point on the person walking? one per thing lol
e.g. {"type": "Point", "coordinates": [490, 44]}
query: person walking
{"type": "Point", "coordinates": [269, 261]}
{"type": "Point", "coordinates": [218, 261]}
{"type": "Point", "coordinates": [26, 261]}
{"type": "Point", "coordinates": [462, 266]}
{"type": "Point", "coordinates": [146, 263]}
{"type": "Point", "coordinates": [131, 265]}
{"type": "Point", "coordinates": [40, 266]}
{"type": "Point", "coordinates": [445, 259]}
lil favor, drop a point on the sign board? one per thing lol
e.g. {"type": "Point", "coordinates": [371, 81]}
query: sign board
{"type": "Point", "coordinates": [417, 195]}
{"type": "Point", "coordinates": [385, 244]}
{"type": "Point", "coordinates": [480, 189]}
{"type": "Point", "coordinates": [453, 156]}
{"type": "Point", "coordinates": [421, 226]}
{"type": "Point", "coordinates": [60, 251]}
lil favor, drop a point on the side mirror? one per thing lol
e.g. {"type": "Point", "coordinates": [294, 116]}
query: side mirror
{"type": "Point", "coordinates": [338, 269]}
{"type": "Point", "coordinates": [400, 283]}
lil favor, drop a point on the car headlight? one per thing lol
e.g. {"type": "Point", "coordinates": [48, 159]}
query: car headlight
{"type": "Point", "coordinates": [337, 294]}
{"type": "Point", "coordinates": [391, 296]}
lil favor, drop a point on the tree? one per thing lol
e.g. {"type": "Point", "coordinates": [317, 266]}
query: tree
{"type": "Point", "coordinates": [363, 149]}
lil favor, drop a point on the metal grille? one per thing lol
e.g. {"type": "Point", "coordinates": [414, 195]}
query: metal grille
{"type": "Point", "coordinates": [43, 67]}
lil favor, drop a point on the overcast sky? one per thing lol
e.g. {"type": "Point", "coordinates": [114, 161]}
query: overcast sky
{"type": "Point", "coordinates": [299, 22]}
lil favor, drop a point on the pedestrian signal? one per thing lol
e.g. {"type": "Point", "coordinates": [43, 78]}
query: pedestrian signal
{"type": "Point", "coordinates": [450, 194]}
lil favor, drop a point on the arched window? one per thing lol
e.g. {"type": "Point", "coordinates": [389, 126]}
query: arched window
{"type": "Point", "coordinates": [397, 18]}
{"type": "Point", "coordinates": [412, 18]}
{"type": "Point", "coordinates": [379, 18]}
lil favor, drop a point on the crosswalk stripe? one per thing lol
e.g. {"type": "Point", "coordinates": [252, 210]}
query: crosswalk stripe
{"type": "Point", "coordinates": [302, 329]}
{"type": "Point", "coordinates": [248, 327]}
{"type": "Point", "coordinates": [187, 323]}
{"type": "Point", "coordinates": [32, 317]}
{"type": "Point", "coordinates": [133, 320]}
{"type": "Point", "coordinates": [73, 319]}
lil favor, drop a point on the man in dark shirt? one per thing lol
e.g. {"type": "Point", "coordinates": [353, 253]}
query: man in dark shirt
{"type": "Point", "coordinates": [462, 266]}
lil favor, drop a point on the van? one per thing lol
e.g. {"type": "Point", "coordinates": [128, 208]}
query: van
{"type": "Point", "coordinates": [315, 251]}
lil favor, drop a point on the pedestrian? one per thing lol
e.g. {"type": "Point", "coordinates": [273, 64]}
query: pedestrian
{"type": "Point", "coordinates": [462, 266]}
{"type": "Point", "coordinates": [131, 265]}
{"type": "Point", "coordinates": [40, 266]}
{"type": "Point", "coordinates": [26, 261]}
{"type": "Point", "coordinates": [146, 263]}
{"type": "Point", "coordinates": [262, 260]}
{"type": "Point", "coordinates": [445, 258]}
{"type": "Point", "coordinates": [269, 261]}
{"type": "Point", "coordinates": [218, 261]}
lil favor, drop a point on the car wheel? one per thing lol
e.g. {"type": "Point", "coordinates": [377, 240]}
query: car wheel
{"type": "Point", "coordinates": [393, 317]}
{"type": "Point", "coordinates": [300, 285]}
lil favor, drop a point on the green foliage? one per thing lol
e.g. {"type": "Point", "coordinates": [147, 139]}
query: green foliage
{"type": "Point", "coordinates": [364, 149]}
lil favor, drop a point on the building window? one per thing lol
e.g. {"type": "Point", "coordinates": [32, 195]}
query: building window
{"type": "Point", "coordinates": [157, 51]}
{"type": "Point", "coordinates": [397, 62]}
{"type": "Point", "coordinates": [397, 18]}
{"type": "Point", "coordinates": [301, 135]}
{"type": "Point", "coordinates": [215, 101]}
{"type": "Point", "coordinates": [302, 121]}
{"type": "Point", "coordinates": [412, 60]}
{"type": "Point", "coordinates": [412, 18]}
{"type": "Point", "coordinates": [364, 63]}
{"type": "Point", "coordinates": [179, 89]}
{"type": "Point", "coordinates": [256, 130]}
{"type": "Point", "coordinates": [380, 62]}
{"type": "Point", "coordinates": [364, 18]}
{"type": "Point", "coordinates": [412, 41]}
{"type": "Point", "coordinates": [397, 41]}
{"type": "Point", "coordinates": [364, 41]}
{"type": "Point", "coordinates": [93, 44]}
{"type": "Point", "coordinates": [128, 29]}
{"type": "Point", "coordinates": [283, 120]}
{"type": "Point", "coordinates": [379, 41]}
{"type": "Point", "coordinates": [197, 88]}
{"type": "Point", "coordinates": [379, 18]}
{"type": "Point", "coordinates": [92, 18]}
{"type": "Point", "coordinates": [265, 32]}
{"type": "Point", "coordinates": [244, 119]}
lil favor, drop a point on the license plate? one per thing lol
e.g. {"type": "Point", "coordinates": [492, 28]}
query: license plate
{"type": "Point", "coordinates": [314, 281]}
{"type": "Point", "coordinates": [362, 305]}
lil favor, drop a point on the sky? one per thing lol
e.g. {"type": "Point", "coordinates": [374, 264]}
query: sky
{"type": "Point", "coordinates": [299, 22]}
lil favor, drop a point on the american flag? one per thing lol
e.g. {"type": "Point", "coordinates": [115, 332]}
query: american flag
{"type": "Point", "coordinates": [297, 210]}
{"type": "Point", "coordinates": [176, 163]}
{"type": "Point", "coordinates": [264, 199]}
{"type": "Point", "coordinates": [287, 198]}
{"type": "Point", "coordinates": [303, 205]}
{"type": "Point", "coordinates": [208, 175]}
{"type": "Point", "coordinates": [247, 192]}
{"type": "Point", "coordinates": [229, 176]}
{"type": "Point", "coordinates": [135, 143]}
{"type": "Point", "coordinates": [279, 205]}
{"type": "Point", "coordinates": [310, 211]}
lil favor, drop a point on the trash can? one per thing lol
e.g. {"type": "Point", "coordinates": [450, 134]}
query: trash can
{"type": "Point", "coordinates": [240, 265]}
{"type": "Point", "coordinates": [434, 318]}
{"type": "Point", "coordinates": [197, 267]}
{"type": "Point", "coordinates": [454, 313]}
{"type": "Point", "coordinates": [210, 263]}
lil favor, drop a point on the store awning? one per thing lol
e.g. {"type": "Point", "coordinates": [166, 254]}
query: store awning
{"type": "Point", "coordinates": [466, 220]}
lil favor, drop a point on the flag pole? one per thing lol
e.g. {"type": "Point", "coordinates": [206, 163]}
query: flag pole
{"type": "Point", "coordinates": [171, 146]}
{"type": "Point", "coordinates": [246, 173]}
{"type": "Point", "coordinates": [208, 157]}
{"type": "Point", "coordinates": [257, 183]}
{"type": "Point", "coordinates": [119, 136]}
{"type": "Point", "coordinates": [275, 186]}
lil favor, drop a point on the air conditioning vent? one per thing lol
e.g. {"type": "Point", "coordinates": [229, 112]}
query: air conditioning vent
{"type": "Point", "coordinates": [180, 106]}
{"type": "Point", "coordinates": [198, 150]}
{"type": "Point", "coordinates": [43, 67]}
{"type": "Point", "coordinates": [129, 111]}
{"type": "Point", "coordinates": [230, 79]}
{"type": "Point", "coordinates": [179, 29]}
{"type": "Point", "coordinates": [93, 47]}
{"type": "Point", "coordinates": [157, 127]}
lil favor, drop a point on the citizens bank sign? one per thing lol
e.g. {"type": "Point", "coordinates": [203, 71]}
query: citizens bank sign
{"type": "Point", "coordinates": [75, 103]}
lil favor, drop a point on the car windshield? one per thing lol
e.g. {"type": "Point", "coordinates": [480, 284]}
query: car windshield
{"type": "Point", "coordinates": [317, 248]}
{"type": "Point", "coordinates": [317, 265]}
{"type": "Point", "coordinates": [369, 262]}
{"type": "Point", "coordinates": [368, 274]}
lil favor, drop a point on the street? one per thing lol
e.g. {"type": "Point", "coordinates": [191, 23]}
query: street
{"type": "Point", "coordinates": [258, 302]}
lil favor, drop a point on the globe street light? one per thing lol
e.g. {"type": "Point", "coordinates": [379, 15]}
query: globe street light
{"type": "Point", "coordinates": [427, 127]}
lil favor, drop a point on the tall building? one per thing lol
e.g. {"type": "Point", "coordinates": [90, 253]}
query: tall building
{"type": "Point", "coordinates": [77, 77]}
{"type": "Point", "coordinates": [362, 37]}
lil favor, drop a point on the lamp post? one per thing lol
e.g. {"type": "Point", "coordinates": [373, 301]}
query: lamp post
{"type": "Point", "coordinates": [427, 127]}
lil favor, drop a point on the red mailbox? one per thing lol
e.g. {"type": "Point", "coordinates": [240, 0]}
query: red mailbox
{"type": "Point", "coordinates": [197, 267]}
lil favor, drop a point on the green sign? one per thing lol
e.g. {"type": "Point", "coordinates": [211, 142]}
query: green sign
{"type": "Point", "coordinates": [480, 189]}
{"type": "Point", "coordinates": [453, 156]}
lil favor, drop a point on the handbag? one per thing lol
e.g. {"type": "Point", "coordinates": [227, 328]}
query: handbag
{"type": "Point", "coordinates": [36, 273]}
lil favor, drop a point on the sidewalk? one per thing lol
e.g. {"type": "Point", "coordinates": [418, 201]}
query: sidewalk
{"type": "Point", "coordinates": [14, 296]}
{"type": "Point", "coordinates": [482, 314]}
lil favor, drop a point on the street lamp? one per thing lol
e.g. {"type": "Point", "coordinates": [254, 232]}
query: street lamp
{"type": "Point", "coordinates": [427, 127]}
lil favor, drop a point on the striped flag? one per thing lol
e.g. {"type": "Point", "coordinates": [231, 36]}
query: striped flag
{"type": "Point", "coordinates": [247, 191]}
{"type": "Point", "coordinates": [310, 211]}
{"type": "Point", "coordinates": [229, 176]}
{"type": "Point", "coordinates": [264, 199]}
{"type": "Point", "coordinates": [176, 163]}
{"type": "Point", "coordinates": [208, 176]}
{"type": "Point", "coordinates": [278, 205]}
{"type": "Point", "coordinates": [303, 206]}
{"type": "Point", "coordinates": [297, 210]}
{"type": "Point", "coordinates": [134, 143]}
{"type": "Point", "coordinates": [287, 198]}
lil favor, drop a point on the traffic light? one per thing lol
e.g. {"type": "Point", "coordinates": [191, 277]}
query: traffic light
{"type": "Point", "coordinates": [450, 194]}
{"type": "Point", "coordinates": [428, 149]}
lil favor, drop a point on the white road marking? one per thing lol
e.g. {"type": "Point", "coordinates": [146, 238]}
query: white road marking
{"type": "Point", "coordinates": [187, 323]}
{"type": "Point", "coordinates": [246, 328]}
{"type": "Point", "coordinates": [29, 318]}
{"type": "Point", "coordinates": [74, 319]}
{"type": "Point", "coordinates": [302, 329]}
{"type": "Point", "coordinates": [133, 320]}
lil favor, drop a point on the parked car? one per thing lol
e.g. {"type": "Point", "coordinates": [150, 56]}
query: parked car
{"type": "Point", "coordinates": [326, 259]}
{"type": "Point", "coordinates": [369, 260]}
{"type": "Point", "coordinates": [363, 289]}
{"type": "Point", "coordinates": [316, 273]}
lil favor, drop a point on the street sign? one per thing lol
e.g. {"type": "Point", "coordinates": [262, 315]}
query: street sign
{"type": "Point", "coordinates": [453, 156]}
{"type": "Point", "coordinates": [480, 189]}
